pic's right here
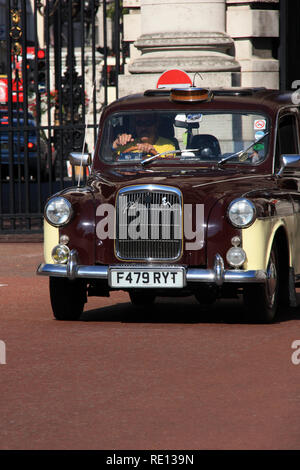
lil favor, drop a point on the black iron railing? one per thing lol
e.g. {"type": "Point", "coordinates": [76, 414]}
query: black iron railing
{"type": "Point", "coordinates": [54, 86]}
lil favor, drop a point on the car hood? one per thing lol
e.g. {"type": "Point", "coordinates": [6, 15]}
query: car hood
{"type": "Point", "coordinates": [196, 185]}
{"type": "Point", "coordinates": [213, 188]}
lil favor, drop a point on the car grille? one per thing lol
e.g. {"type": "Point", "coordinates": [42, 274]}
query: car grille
{"type": "Point", "coordinates": [149, 223]}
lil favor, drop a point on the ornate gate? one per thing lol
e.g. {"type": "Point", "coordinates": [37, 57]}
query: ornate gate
{"type": "Point", "coordinates": [59, 65]}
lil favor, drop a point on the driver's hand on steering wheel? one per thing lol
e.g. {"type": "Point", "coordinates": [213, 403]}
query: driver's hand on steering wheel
{"type": "Point", "coordinates": [122, 139]}
{"type": "Point", "coordinates": [146, 148]}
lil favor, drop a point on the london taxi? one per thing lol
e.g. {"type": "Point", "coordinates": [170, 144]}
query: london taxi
{"type": "Point", "coordinates": [207, 204]}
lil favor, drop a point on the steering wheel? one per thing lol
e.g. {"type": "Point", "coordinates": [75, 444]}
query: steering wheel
{"type": "Point", "coordinates": [132, 149]}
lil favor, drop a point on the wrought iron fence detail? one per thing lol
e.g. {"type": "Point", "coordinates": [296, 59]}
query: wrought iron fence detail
{"type": "Point", "coordinates": [53, 86]}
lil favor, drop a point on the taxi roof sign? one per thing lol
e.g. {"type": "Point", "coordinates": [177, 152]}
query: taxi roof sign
{"type": "Point", "coordinates": [174, 78]}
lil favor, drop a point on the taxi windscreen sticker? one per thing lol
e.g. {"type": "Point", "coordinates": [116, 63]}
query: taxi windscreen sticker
{"type": "Point", "coordinates": [260, 124]}
{"type": "Point", "coordinates": [259, 135]}
{"type": "Point", "coordinates": [258, 147]}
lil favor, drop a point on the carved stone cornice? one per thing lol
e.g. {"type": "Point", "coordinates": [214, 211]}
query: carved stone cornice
{"type": "Point", "coordinates": [191, 51]}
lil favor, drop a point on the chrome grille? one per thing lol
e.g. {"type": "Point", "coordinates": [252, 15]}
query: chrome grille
{"type": "Point", "coordinates": [149, 223]}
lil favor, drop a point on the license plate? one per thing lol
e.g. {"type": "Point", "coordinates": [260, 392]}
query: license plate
{"type": "Point", "coordinates": [151, 277]}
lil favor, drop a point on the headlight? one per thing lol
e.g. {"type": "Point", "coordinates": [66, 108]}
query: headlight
{"type": "Point", "coordinates": [58, 211]}
{"type": "Point", "coordinates": [241, 213]}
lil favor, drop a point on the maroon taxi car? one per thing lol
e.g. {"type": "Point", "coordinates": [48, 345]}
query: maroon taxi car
{"type": "Point", "coordinates": [206, 204]}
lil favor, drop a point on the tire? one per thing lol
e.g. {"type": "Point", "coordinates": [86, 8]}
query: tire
{"type": "Point", "coordinates": [262, 300]}
{"type": "Point", "coordinates": [141, 298]}
{"type": "Point", "coordinates": [67, 298]}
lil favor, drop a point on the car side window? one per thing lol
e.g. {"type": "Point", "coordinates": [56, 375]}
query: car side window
{"type": "Point", "coordinates": [287, 138]}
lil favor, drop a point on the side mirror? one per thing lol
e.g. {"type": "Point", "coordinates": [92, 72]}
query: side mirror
{"type": "Point", "coordinates": [80, 159]}
{"type": "Point", "coordinates": [291, 161]}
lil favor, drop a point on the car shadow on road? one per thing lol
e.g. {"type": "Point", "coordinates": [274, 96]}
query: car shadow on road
{"type": "Point", "coordinates": [181, 310]}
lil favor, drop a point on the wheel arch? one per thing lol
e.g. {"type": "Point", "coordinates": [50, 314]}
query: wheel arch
{"type": "Point", "coordinates": [258, 239]}
{"type": "Point", "coordinates": [284, 251]}
{"type": "Point", "coordinates": [258, 298]}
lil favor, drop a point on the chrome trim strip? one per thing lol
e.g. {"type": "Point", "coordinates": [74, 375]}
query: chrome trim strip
{"type": "Point", "coordinates": [151, 187]}
{"type": "Point", "coordinates": [55, 270]}
{"type": "Point", "coordinates": [234, 276]}
{"type": "Point", "coordinates": [72, 265]}
{"type": "Point", "coordinates": [200, 275]}
{"type": "Point", "coordinates": [82, 272]}
{"type": "Point", "coordinates": [219, 269]}
{"type": "Point", "coordinates": [98, 272]}
{"type": "Point", "coordinates": [245, 276]}
{"type": "Point", "coordinates": [217, 276]}
{"type": "Point", "coordinates": [192, 274]}
{"type": "Point", "coordinates": [233, 179]}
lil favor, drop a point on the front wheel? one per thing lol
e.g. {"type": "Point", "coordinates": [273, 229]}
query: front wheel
{"type": "Point", "coordinates": [262, 300]}
{"type": "Point", "coordinates": [67, 297]}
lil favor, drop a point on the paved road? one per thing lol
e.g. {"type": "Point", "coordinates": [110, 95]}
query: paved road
{"type": "Point", "coordinates": [171, 378]}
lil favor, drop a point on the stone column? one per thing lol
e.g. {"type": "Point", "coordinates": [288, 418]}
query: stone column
{"type": "Point", "coordinates": [189, 35]}
{"type": "Point", "coordinates": [254, 25]}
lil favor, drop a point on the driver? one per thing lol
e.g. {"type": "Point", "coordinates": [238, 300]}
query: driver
{"type": "Point", "coordinates": [147, 139]}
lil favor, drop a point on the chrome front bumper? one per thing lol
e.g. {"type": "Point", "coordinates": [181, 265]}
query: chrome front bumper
{"type": "Point", "coordinates": [218, 275]}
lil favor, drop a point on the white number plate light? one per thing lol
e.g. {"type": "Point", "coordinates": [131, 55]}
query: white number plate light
{"type": "Point", "coordinates": [152, 277]}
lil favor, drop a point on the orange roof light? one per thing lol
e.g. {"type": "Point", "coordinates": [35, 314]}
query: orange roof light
{"type": "Point", "coordinates": [191, 94]}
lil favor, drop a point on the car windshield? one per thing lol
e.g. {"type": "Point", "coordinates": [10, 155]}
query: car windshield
{"type": "Point", "coordinates": [208, 137]}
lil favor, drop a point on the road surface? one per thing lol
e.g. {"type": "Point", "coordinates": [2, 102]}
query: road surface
{"type": "Point", "coordinates": [172, 377]}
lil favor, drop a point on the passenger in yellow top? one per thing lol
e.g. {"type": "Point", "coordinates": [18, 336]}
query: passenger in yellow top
{"type": "Point", "coordinates": [147, 140]}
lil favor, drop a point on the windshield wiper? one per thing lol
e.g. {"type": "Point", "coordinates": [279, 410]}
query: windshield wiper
{"type": "Point", "coordinates": [158, 155]}
{"type": "Point", "coordinates": [240, 153]}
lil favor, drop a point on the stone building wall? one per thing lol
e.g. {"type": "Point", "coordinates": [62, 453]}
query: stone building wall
{"type": "Point", "coordinates": [254, 27]}
{"type": "Point", "coordinates": [230, 42]}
